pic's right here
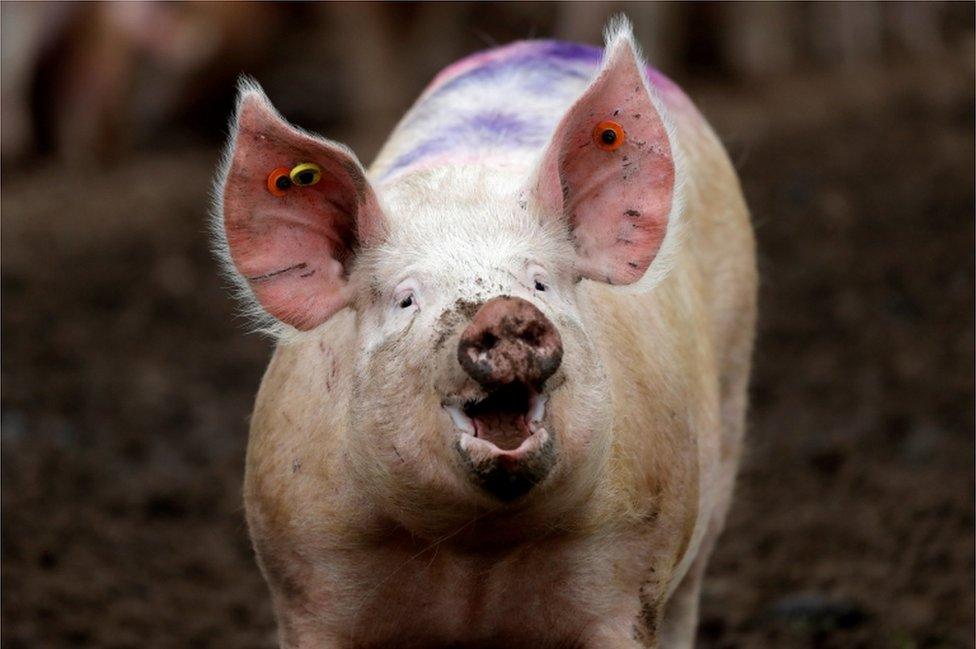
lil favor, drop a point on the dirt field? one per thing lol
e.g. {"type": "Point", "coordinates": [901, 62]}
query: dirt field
{"type": "Point", "coordinates": [127, 385]}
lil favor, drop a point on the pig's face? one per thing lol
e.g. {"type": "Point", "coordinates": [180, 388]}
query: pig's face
{"type": "Point", "coordinates": [471, 333]}
{"type": "Point", "coordinates": [476, 378]}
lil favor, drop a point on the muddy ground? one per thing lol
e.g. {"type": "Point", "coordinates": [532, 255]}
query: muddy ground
{"type": "Point", "coordinates": [127, 383]}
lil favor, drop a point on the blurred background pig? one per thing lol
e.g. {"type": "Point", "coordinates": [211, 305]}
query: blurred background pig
{"type": "Point", "coordinates": [125, 380]}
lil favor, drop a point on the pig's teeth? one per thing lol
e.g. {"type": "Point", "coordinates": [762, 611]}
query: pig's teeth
{"type": "Point", "coordinates": [537, 409]}
{"type": "Point", "coordinates": [461, 420]}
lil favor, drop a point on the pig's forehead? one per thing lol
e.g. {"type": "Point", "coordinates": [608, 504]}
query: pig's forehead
{"type": "Point", "coordinates": [464, 221]}
{"type": "Point", "coordinates": [455, 185]}
{"type": "Point", "coordinates": [445, 246]}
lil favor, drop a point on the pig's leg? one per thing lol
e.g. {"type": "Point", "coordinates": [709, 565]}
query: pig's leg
{"type": "Point", "coordinates": [631, 627]}
{"type": "Point", "coordinates": [680, 622]}
{"type": "Point", "coordinates": [298, 629]}
{"type": "Point", "coordinates": [302, 619]}
{"type": "Point", "coordinates": [681, 615]}
{"type": "Point", "coordinates": [619, 640]}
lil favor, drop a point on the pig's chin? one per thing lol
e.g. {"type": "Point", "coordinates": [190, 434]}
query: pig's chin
{"type": "Point", "coordinates": [503, 440]}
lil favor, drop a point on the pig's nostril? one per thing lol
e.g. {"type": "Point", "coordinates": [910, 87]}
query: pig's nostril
{"type": "Point", "coordinates": [533, 334]}
{"type": "Point", "coordinates": [488, 341]}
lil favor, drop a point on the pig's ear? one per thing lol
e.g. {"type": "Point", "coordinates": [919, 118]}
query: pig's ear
{"type": "Point", "coordinates": [609, 173]}
{"type": "Point", "coordinates": [290, 246]}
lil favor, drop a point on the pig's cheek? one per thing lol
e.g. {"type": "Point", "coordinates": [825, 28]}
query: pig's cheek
{"type": "Point", "coordinates": [389, 343]}
{"type": "Point", "coordinates": [398, 371]}
{"type": "Point", "coordinates": [377, 333]}
{"type": "Point", "coordinates": [582, 406]}
{"type": "Point", "coordinates": [583, 431]}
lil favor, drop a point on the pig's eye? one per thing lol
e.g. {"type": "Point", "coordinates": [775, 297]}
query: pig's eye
{"type": "Point", "coordinates": [404, 296]}
{"type": "Point", "coordinates": [537, 275]}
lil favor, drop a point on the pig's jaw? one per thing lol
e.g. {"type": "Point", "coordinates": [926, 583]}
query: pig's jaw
{"type": "Point", "coordinates": [503, 441]}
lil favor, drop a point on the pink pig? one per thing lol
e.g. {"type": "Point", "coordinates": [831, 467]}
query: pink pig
{"type": "Point", "coordinates": [507, 400]}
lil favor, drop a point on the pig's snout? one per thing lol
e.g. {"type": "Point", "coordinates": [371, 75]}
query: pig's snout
{"type": "Point", "coordinates": [509, 340]}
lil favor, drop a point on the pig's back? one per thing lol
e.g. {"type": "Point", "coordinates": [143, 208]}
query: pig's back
{"type": "Point", "coordinates": [499, 106]}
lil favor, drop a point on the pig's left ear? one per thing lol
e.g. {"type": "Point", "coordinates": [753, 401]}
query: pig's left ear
{"type": "Point", "coordinates": [292, 211]}
{"type": "Point", "coordinates": [609, 173]}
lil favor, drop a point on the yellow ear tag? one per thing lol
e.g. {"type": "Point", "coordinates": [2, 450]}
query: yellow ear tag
{"type": "Point", "coordinates": [305, 174]}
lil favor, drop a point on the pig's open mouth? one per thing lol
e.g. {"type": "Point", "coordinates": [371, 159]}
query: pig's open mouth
{"type": "Point", "coordinates": [503, 440]}
{"type": "Point", "coordinates": [506, 418]}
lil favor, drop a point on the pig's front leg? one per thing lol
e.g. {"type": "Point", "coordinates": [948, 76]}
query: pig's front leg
{"type": "Point", "coordinates": [620, 640]}
{"type": "Point", "coordinates": [297, 629]}
{"type": "Point", "coordinates": [624, 632]}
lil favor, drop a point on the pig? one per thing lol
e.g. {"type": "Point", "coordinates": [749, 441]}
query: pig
{"type": "Point", "coordinates": [507, 399]}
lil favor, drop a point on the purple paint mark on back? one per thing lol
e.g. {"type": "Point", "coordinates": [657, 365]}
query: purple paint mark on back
{"type": "Point", "coordinates": [540, 69]}
{"type": "Point", "coordinates": [571, 51]}
{"type": "Point", "coordinates": [422, 150]}
{"type": "Point", "coordinates": [479, 131]}
{"type": "Point", "coordinates": [516, 52]}
{"type": "Point", "coordinates": [543, 59]}
{"type": "Point", "coordinates": [496, 122]}
{"type": "Point", "coordinates": [546, 60]}
{"type": "Point", "coordinates": [535, 67]}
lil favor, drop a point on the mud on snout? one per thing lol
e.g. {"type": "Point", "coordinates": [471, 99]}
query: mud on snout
{"type": "Point", "coordinates": [506, 363]}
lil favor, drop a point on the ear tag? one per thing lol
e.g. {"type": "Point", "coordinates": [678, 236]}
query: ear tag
{"type": "Point", "coordinates": [305, 174]}
{"type": "Point", "coordinates": [609, 135]}
{"type": "Point", "coordinates": [279, 181]}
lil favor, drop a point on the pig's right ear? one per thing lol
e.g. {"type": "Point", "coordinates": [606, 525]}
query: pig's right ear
{"type": "Point", "coordinates": [291, 244]}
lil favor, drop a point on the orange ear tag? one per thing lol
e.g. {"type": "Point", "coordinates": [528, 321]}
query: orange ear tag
{"type": "Point", "coordinates": [609, 135]}
{"type": "Point", "coordinates": [279, 181]}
